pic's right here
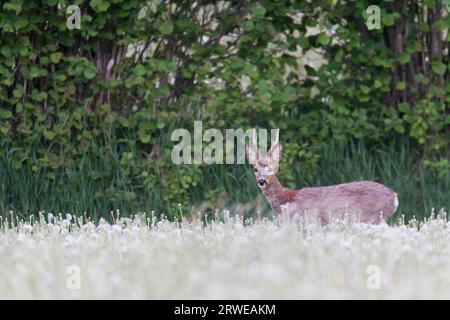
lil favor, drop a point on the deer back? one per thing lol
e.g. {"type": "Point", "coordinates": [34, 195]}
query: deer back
{"type": "Point", "coordinates": [370, 201]}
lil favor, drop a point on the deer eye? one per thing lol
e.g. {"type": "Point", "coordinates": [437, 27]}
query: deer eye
{"type": "Point", "coordinates": [256, 170]}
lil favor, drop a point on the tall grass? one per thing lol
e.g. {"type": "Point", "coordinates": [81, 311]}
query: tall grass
{"type": "Point", "coordinates": [76, 190]}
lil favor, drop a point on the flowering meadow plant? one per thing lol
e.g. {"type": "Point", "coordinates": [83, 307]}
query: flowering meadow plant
{"type": "Point", "coordinates": [147, 258]}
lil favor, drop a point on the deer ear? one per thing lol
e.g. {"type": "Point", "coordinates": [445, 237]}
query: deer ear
{"type": "Point", "coordinates": [252, 150]}
{"type": "Point", "coordinates": [275, 154]}
{"type": "Point", "coordinates": [252, 153]}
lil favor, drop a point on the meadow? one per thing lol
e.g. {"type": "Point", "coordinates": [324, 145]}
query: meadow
{"type": "Point", "coordinates": [86, 117]}
{"type": "Point", "coordinates": [64, 257]}
{"type": "Point", "coordinates": [96, 184]}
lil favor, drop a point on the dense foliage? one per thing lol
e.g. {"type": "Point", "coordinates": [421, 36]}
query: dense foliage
{"type": "Point", "coordinates": [115, 89]}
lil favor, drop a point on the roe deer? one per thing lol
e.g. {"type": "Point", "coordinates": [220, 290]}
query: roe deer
{"type": "Point", "coordinates": [369, 201]}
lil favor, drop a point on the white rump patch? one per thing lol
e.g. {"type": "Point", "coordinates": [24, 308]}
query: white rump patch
{"type": "Point", "coordinates": [396, 202]}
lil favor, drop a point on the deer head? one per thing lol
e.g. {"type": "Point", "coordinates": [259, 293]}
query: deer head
{"type": "Point", "coordinates": [265, 165]}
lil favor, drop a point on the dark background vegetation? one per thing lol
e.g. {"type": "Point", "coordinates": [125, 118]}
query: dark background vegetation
{"type": "Point", "coordinates": [86, 115]}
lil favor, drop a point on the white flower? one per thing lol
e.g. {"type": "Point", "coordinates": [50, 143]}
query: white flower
{"type": "Point", "coordinates": [280, 259]}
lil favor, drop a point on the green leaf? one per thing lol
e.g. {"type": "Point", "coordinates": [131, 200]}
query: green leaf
{"type": "Point", "coordinates": [34, 72]}
{"type": "Point", "coordinates": [8, 28]}
{"type": "Point", "coordinates": [160, 125]}
{"type": "Point", "coordinates": [5, 114]}
{"type": "Point", "coordinates": [248, 26]}
{"type": "Point", "coordinates": [388, 19]}
{"type": "Point", "coordinates": [166, 28]}
{"type": "Point", "coordinates": [13, 6]}
{"type": "Point", "coordinates": [144, 138]}
{"type": "Point", "coordinates": [399, 128]}
{"type": "Point", "coordinates": [99, 5]}
{"type": "Point", "coordinates": [404, 107]}
{"type": "Point", "coordinates": [89, 73]}
{"type": "Point", "coordinates": [18, 93]}
{"type": "Point", "coordinates": [56, 57]}
{"type": "Point", "coordinates": [404, 58]}
{"type": "Point", "coordinates": [438, 67]}
{"type": "Point", "coordinates": [323, 39]}
{"type": "Point", "coordinates": [259, 11]}
{"type": "Point", "coordinates": [140, 70]}
{"type": "Point", "coordinates": [60, 77]}
{"type": "Point", "coordinates": [303, 42]}
{"type": "Point", "coordinates": [400, 85]}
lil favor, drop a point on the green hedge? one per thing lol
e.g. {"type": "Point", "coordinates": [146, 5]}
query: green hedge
{"type": "Point", "coordinates": [68, 93]}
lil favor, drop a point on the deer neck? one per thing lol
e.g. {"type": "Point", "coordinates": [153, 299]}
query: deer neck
{"type": "Point", "coordinates": [277, 195]}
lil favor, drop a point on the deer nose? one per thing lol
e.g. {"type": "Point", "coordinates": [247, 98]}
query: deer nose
{"type": "Point", "coordinates": [261, 182]}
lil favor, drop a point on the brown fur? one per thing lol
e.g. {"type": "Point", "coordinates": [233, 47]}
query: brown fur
{"type": "Point", "coordinates": [369, 201]}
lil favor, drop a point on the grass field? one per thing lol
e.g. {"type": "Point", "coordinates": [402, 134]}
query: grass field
{"type": "Point", "coordinates": [142, 258]}
{"type": "Point", "coordinates": [75, 190]}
